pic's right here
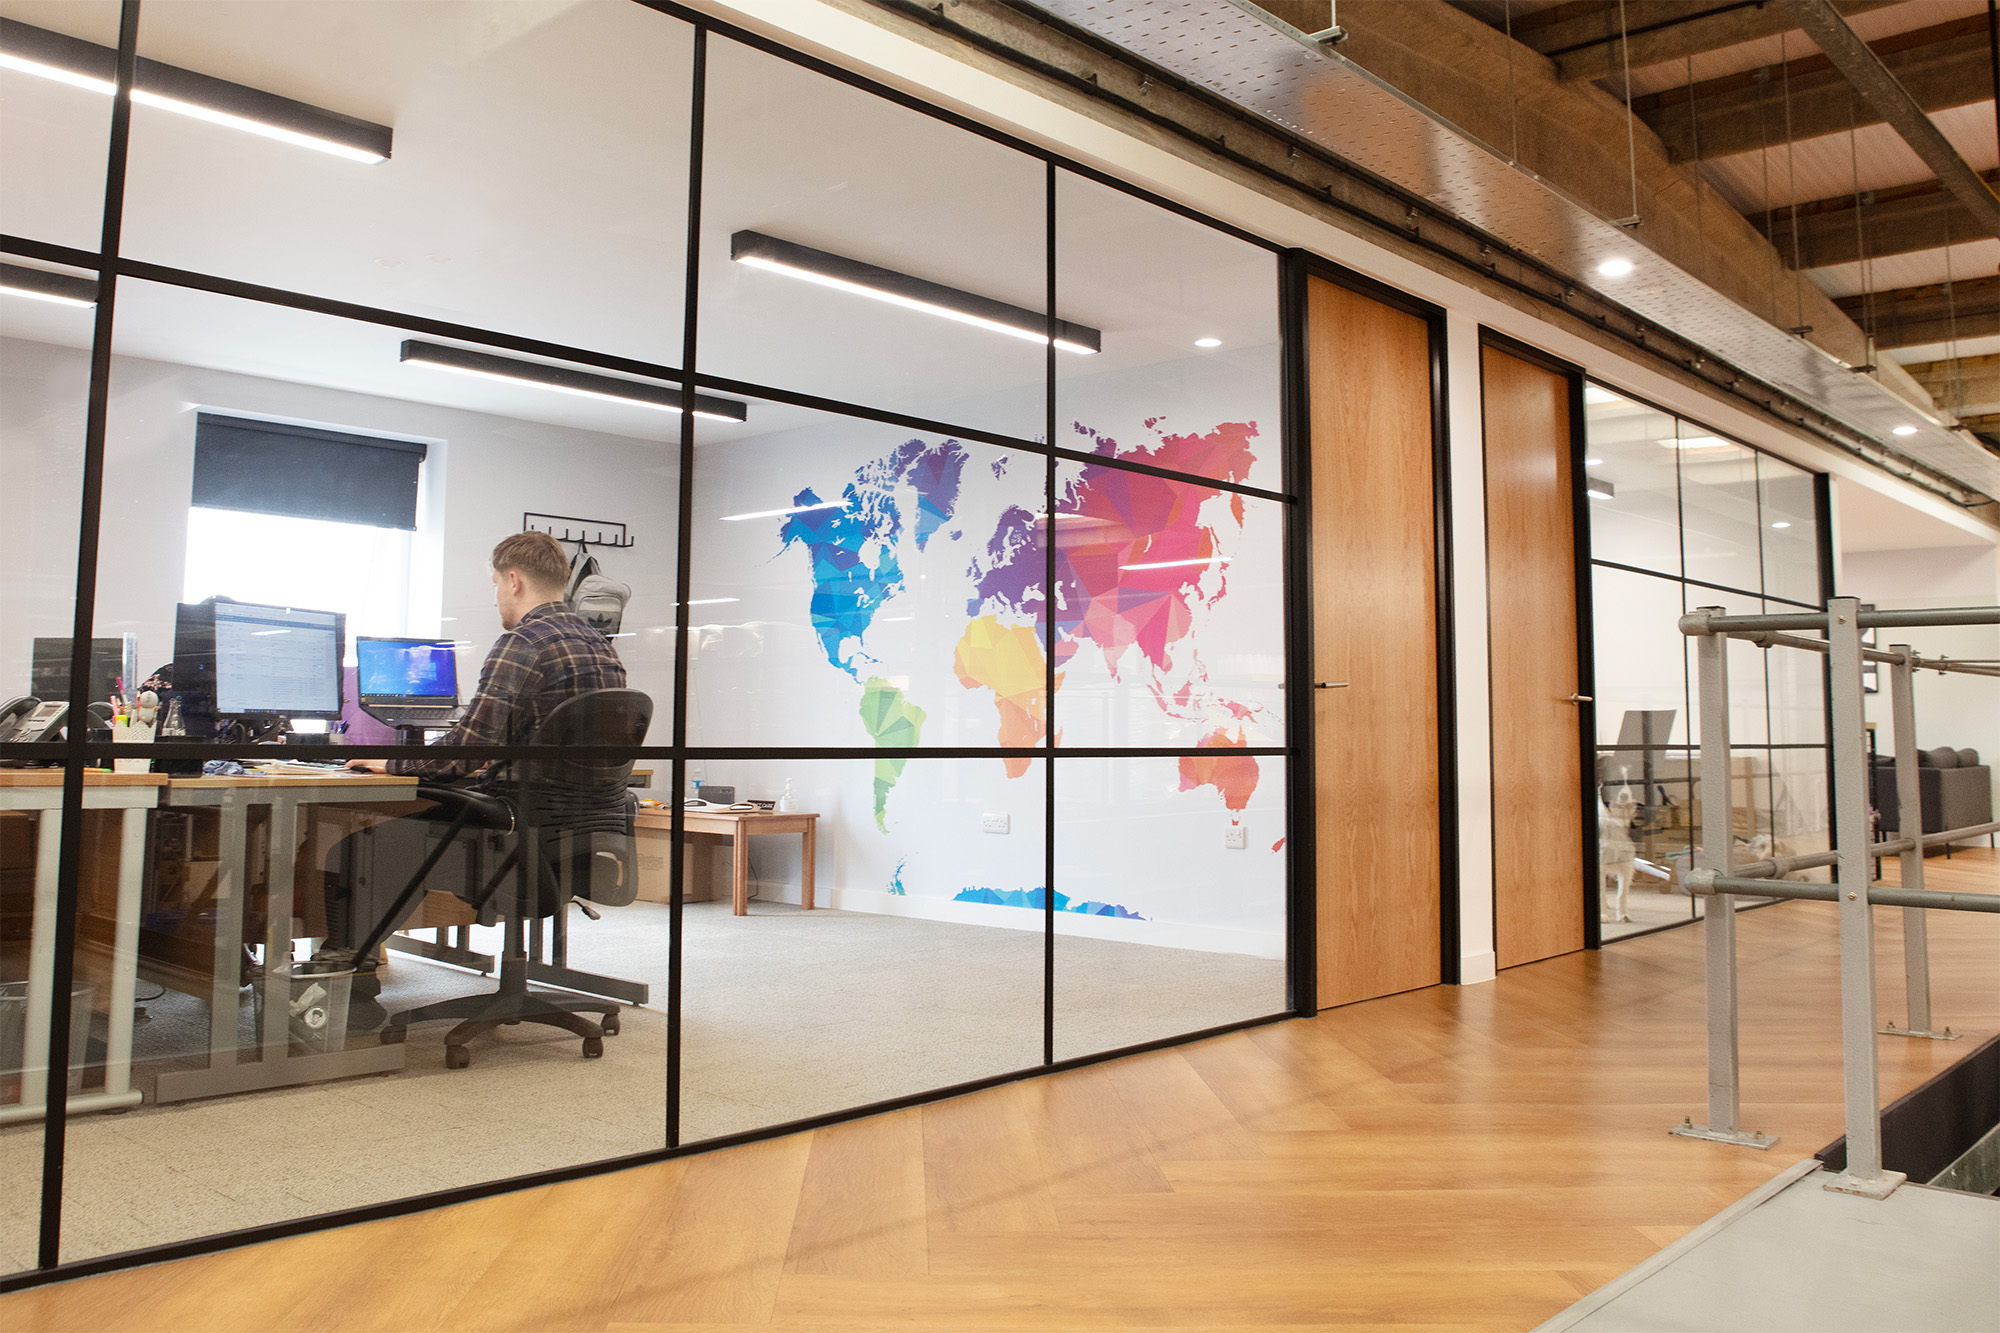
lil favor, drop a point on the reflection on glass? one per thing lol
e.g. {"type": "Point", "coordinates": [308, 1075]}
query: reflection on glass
{"type": "Point", "coordinates": [1190, 345]}
{"type": "Point", "coordinates": [1169, 610]}
{"type": "Point", "coordinates": [1630, 458]}
{"type": "Point", "coordinates": [1791, 531]}
{"type": "Point", "coordinates": [930, 243]}
{"type": "Point", "coordinates": [54, 127]}
{"type": "Point", "coordinates": [1719, 537]}
{"type": "Point", "coordinates": [535, 182]}
{"type": "Point", "coordinates": [1170, 909]}
{"type": "Point", "coordinates": [918, 967]}
{"type": "Point", "coordinates": [856, 584]}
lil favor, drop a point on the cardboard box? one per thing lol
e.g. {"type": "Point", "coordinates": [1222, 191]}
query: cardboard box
{"type": "Point", "coordinates": [707, 857]}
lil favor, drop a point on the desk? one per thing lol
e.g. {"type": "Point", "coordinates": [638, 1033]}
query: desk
{"type": "Point", "coordinates": [739, 826]}
{"type": "Point", "coordinates": [40, 791]}
{"type": "Point", "coordinates": [278, 1067]}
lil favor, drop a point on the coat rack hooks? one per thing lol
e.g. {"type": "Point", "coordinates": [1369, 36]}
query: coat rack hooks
{"type": "Point", "coordinates": [601, 533]}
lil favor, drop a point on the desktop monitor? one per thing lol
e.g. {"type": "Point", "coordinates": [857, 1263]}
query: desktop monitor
{"type": "Point", "coordinates": [111, 660]}
{"type": "Point", "coordinates": [405, 671]}
{"type": "Point", "coordinates": [241, 660]}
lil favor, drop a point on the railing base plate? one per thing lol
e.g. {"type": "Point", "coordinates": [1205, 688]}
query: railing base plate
{"type": "Point", "coordinates": [1747, 1138]}
{"type": "Point", "coordinates": [1890, 1029]}
{"type": "Point", "coordinates": [1868, 1187]}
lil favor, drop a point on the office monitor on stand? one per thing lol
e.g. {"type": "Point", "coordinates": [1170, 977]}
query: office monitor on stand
{"type": "Point", "coordinates": [256, 667]}
{"type": "Point", "coordinates": [408, 684]}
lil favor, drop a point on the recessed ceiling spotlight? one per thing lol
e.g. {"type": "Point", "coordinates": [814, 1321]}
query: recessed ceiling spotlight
{"type": "Point", "coordinates": [1208, 342]}
{"type": "Point", "coordinates": [1614, 268]}
{"type": "Point", "coordinates": [1904, 430]}
{"type": "Point", "coordinates": [1781, 524]}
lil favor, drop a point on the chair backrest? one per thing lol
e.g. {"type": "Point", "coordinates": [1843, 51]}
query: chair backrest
{"type": "Point", "coordinates": [586, 793]}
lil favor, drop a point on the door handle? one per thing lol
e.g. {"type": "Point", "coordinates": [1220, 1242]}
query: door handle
{"type": "Point", "coordinates": [1577, 699]}
{"type": "Point", "coordinates": [1329, 684]}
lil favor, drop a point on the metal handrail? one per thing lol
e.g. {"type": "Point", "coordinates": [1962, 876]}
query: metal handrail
{"type": "Point", "coordinates": [1854, 851]}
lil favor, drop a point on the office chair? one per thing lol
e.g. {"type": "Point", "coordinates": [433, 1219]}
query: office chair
{"type": "Point", "coordinates": [570, 820]}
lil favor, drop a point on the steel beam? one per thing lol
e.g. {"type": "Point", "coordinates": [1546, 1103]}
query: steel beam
{"type": "Point", "coordinates": [1872, 79]}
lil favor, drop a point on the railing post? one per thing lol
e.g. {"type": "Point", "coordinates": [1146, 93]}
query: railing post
{"type": "Point", "coordinates": [1717, 834]}
{"type": "Point", "coordinates": [1864, 1174]}
{"type": "Point", "coordinates": [1910, 824]}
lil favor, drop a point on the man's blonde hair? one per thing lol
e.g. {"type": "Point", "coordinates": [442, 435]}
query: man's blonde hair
{"type": "Point", "coordinates": [536, 556]}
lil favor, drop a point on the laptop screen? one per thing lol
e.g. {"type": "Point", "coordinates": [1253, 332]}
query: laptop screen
{"type": "Point", "coordinates": [406, 670]}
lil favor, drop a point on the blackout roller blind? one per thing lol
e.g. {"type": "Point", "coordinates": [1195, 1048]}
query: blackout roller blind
{"type": "Point", "coordinates": [262, 467]}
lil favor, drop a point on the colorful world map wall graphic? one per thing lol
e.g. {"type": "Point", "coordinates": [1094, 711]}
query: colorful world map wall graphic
{"type": "Point", "coordinates": [1134, 562]}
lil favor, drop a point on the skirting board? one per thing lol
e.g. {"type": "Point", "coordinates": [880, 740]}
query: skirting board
{"type": "Point", "coordinates": [1474, 968]}
{"type": "Point", "coordinates": [1123, 930]}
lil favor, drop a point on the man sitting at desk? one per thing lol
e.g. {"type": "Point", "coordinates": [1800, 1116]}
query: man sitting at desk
{"type": "Point", "coordinates": [547, 654]}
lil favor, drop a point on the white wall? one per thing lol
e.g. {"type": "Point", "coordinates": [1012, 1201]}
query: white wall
{"type": "Point", "coordinates": [1953, 710]}
{"type": "Point", "coordinates": [483, 471]}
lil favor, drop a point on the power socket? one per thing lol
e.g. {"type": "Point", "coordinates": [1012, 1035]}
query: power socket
{"type": "Point", "coordinates": [1236, 838]}
{"type": "Point", "coordinates": [996, 823]}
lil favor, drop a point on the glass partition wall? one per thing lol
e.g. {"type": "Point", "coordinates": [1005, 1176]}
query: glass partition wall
{"type": "Point", "coordinates": [936, 489]}
{"type": "Point", "coordinates": [1683, 518]}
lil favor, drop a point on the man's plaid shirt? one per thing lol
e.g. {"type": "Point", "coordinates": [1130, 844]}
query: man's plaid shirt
{"type": "Point", "coordinates": [550, 656]}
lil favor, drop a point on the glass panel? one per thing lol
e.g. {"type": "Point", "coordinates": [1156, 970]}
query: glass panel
{"type": "Point", "coordinates": [53, 130]}
{"type": "Point", "coordinates": [246, 873]}
{"type": "Point", "coordinates": [536, 181]}
{"type": "Point", "coordinates": [819, 199]}
{"type": "Point", "coordinates": [44, 385]}
{"type": "Point", "coordinates": [1791, 531]}
{"type": "Point", "coordinates": [1629, 463]}
{"type": "Point", "coordinates": [1719, 510]}
{"type": "Point", "coordinates": [921, 965]}
{"type": "Point", "coordinates": [1170, 875]}
{"type": "Point", "coordinates": [1800, 824]}
{"type": "Point", "coordinates": [855, 584]}
{"type": "Point", "coordinates": [493, 450]}
{"type": "Point", "coordinates": [1189, 373]}
{"type": "Point", "coordinates": [1169, 611]}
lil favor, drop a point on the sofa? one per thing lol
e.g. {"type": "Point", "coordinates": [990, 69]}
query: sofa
{"type": "Point", "coordinates": [1956, 790]}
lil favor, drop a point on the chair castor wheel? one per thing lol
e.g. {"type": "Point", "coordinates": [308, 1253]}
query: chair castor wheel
{"type": "Point", "coordinates": [456, 1057]}
{"type": "Point", "coordinates": [593, 1047]}
{"type": "Point", "coordinates": [609, 1023]}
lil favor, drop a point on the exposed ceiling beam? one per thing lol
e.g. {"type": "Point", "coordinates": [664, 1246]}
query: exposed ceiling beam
{"type": "Point", "coordinates": [1913, 316]}
{"type": "Point", "coordinates": [1879, 87]}
{"type": "Point", "coordinates": [1940, 67]}
{"type": "Point", "coordinates": [1899, 221]}
{"type": "Point", "coordinates": [1589, 48]}
{"type": "Point", "coordinates": [1973, 381]}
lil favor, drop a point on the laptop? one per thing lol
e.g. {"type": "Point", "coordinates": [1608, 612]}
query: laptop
{"type": "Point", "coordinates": [407, 682]}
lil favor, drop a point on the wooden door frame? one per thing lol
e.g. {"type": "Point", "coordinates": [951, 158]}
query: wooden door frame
{"type": "Point", "coordinates": [1586, 637]}
{"type": "Point", "coordinates": [1298, 267]}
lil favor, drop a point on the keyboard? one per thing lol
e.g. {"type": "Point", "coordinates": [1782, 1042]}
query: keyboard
{"type": "Point", "coordinates": [416, 715]}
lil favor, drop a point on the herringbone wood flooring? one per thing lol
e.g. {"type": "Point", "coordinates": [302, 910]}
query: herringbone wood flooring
{"type": "Point", "coordinates": [1459, 1159]}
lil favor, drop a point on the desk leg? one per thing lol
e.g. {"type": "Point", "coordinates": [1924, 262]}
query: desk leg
{"type": "Point", "coordinates": [225, 987]}
{"type": "Point", "coordinates": [278, 928]}
{"type": "Point", "coordinates": [125, 954]}
{"type": "Point", "coordinates": [807, 856]}
{"type": "Point", "coordinates": [739, 872]}
{"type": "Point", "coordinates": [42, 962]}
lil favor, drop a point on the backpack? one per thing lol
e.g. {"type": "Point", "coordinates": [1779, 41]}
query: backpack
{"type": "Point", "coordinates": [596, 596]}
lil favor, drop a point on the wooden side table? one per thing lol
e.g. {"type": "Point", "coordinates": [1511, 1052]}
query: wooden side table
{"type": "Point", "coordinates": [739, 826]}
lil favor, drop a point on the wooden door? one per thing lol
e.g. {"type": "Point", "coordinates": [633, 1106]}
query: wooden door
{"type": "Point", "coordinates": [1374, 553]}
{"type": "Point", "coordinates": [1538, 861]}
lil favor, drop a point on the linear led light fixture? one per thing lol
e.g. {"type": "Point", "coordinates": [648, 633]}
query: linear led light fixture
{"type": "Point", "coordinates": [52, 55]}
{"type": "Point", "coordinates": [1176, 564]}
{"type": "Point", "coordinates": [1597, 488]}
{"type": "Point", "coordinates": [465, 361]}
{"type": "Point", "coordinates": [40, 284]}
{"type": "Point", "coordinates": [780, 513]}
{"type": "Point", "coordinates": [912, 293]}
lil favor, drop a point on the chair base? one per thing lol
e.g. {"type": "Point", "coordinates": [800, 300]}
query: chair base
{"type": "Point", "coordinates": [511, 1003]}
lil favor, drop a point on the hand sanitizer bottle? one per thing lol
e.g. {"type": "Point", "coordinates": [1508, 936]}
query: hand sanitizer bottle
{"type": "Point", "coordinates": [786, 805]}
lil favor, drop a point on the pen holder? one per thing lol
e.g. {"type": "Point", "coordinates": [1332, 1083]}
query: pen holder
{"type": "Point", "coordinates": [132, 733]}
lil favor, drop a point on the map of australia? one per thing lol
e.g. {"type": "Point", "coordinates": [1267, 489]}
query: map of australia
{"type": "Point", "coordinates": [1135, 559]}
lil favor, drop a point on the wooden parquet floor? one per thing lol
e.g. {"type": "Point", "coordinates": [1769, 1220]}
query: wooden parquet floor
{"type": "Point", "coordinates": [1447, 1159]}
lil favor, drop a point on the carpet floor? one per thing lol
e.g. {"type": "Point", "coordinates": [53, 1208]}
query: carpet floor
{"type": "Point", "coordinates": [787, 1014]}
